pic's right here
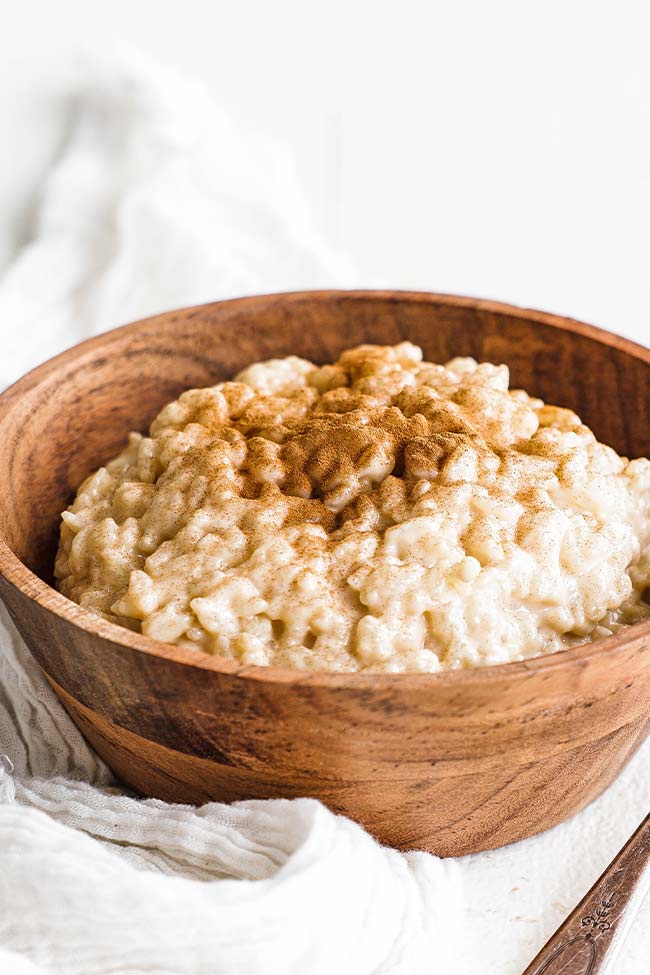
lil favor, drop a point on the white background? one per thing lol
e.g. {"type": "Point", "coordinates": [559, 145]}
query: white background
{"type": "Point", "coordinates": [500, 149]}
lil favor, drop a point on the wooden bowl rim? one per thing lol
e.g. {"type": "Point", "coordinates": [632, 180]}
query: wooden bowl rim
{"type": "Point", "coordinates": [39, 592]}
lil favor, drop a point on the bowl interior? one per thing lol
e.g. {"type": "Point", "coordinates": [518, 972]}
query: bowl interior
{"type": "Point", "coordinates": [67, 417]}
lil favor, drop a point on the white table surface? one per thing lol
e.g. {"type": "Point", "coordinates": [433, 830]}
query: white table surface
{"type": "Point", "coordinates": [499, 149]}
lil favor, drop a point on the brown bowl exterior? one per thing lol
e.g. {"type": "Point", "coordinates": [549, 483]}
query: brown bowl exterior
{"type": "Point", "coordinates": [451, 763]}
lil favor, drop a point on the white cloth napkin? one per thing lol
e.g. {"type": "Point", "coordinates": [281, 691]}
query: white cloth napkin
{"type": "Point", "coordinates": [158, 200]}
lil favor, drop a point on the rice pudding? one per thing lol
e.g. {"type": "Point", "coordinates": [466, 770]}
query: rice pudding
{"type": "Point", "coordinates": [381, 513]}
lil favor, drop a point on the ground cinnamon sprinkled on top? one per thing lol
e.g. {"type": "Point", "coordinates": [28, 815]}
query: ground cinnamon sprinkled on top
{"type": "Point", "coordinates": [379, 513]}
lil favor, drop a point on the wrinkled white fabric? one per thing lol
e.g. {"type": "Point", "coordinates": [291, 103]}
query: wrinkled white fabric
{"type": "Point", "coordinates": [158, 201]}
{"type": "Point", "coordinates": [272, 886]}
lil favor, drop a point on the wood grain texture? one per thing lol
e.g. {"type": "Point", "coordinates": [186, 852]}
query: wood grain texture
{"type": "Point", "coordinates": [452, 762]}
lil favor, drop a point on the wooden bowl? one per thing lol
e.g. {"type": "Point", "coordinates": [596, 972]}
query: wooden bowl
{"type": "Point", "coordinates": [453, 762]}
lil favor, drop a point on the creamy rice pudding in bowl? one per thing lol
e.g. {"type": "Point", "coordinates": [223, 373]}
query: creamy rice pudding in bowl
{"type": "Point", "coordinates": [343, 554]}
{"type": "Point", "coordinates": [380, 513]}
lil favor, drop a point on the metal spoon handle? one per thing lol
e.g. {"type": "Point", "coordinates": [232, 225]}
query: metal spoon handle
{"type": "Point", "coordinates": [588, 941]}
